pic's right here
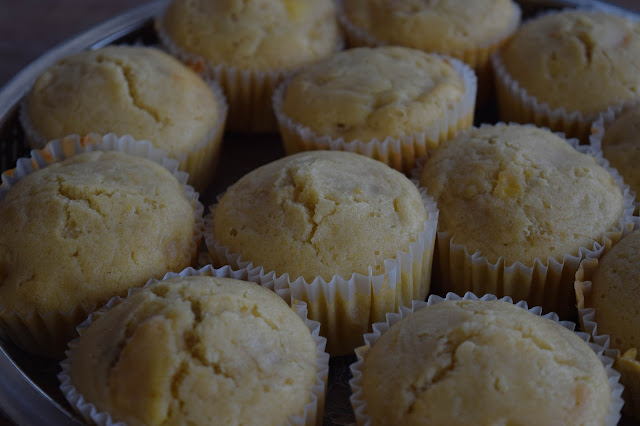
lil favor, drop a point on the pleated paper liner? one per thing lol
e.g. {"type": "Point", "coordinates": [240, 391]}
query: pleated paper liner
{"type": "Point", "coordinates": [346, 307]}
{"type": "Point", "coordinates": [360, 406]}
{"type": "Point", "coordinates": [398, 152]}
{"type": "Point", "coordinates": [626, 363]}
{"type": "Point", "coordinates": [312, 412]}
{"type": "Point", "coordinates": [35, 331]}
{"type": "Point", "coordinates": [248, 92]}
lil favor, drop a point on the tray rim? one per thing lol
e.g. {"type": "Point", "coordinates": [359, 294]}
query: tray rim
{"type": "Point", "coordinates": [21, 399]}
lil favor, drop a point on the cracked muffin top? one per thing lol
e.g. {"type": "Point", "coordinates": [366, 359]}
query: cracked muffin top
{"type": "Point", "coordinates": [320, 213]}
{"type": "Point", "coordinates": [578, 60]}
{"type": "Point", "coordinates": [197, 350]}
{"type": "Point", "coordinates": [139, 91]}
{"type": "Point", "coordinates": [81, 231]}
{"type": "Point", "coordinates": [521, 193]}
{"type": "Point", "coordinates": [445, 26]}
{"type": "Point", "coordinates": [369, 93]}
{"type": "Point", "coordinates": [259, 35]}
{"type": "Point", "coordinates": [483, 362]}
{"type": "Point", "coordinates": [621, 146]}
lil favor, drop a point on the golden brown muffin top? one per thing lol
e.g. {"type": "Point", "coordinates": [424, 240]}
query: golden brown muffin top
{"type": "Point", "coordinates": [140, 91]}
{"type": "Point", "coordinates": [621, 146]}
{"type": "Point", "coordinates": [615, 292]}
{"type": "Point", "coordinates": [578, 60]}
{"type": "Point", "coordinates": [521, 193]}
{"type": "Point", "coordinates": [320, 213]}
{"type": "Point", "coordinates": [81, 231]}
{"type": "Point", "coordinates": [373, 93]}
{"type": "Point", "coordinates": [482, 362]}
{"type": "Point", "coordinates": [444, 26]}
{"type": "Point", "coordinates": [197, 350]}
{"type": "Point", "coordinates": [260, 35]}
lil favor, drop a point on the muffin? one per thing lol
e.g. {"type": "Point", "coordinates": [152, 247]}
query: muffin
{"type": "Point", "coordinates": [607, 292]}
{"type": "Point", "coordinates": [562, 69]}
{"type": "Point", "coordinates": [249, 47]}
{"type": "Point", "coordinates": [75, 232]}
{"type": "Point", "coordinates": [389, 103]}
{"type": "Point", "coordinates": [344, 233]}
{"type": "Point", "coordinates": [482, 361]}
{"type": "Point", "coordinates": [620, 143]}
{"type": "Point", "coordinates": [526, 210]}
{"type": "Point", "coordinates": [468, 30]}
{"type": "Point", "coordinates": [197, 349]}
{"type": "Point", "coordinates": [127, 90]}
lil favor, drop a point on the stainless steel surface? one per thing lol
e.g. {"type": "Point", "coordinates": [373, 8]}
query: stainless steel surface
{"type": "Point", "coordinates": [24, 402]}
{"type": "Point", "coordinates": [21, 398]}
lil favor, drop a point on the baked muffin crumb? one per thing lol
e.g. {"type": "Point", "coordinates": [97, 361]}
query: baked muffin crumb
{"type": "Point", "coordinates": [471, 362]}
{"type": "Point", "coordinates": [197, 350]}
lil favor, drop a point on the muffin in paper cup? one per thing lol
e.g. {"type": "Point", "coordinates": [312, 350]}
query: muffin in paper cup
{"type": "Point", "coordinates": [606, 309]}
{"type": "Point", "coordinates": [200, 360]}
{"type": "Point", "coordinates": [143, 92]}
{"type": "Point", "coordinates": [620, 145]}
{"type": "Point", "coordinates": [345, 79]}
{"type": "Point", "coordinates": [344, 302]}
{"type": "Point", "coordinates": [247, 70]}
{"type": "Point", "coordinates": [559, 87]}
{"type": "Point", "coordinates": [65, 249]}
{"type": "Point", "coordinates": [500, 385]}
{"type": "Point", "coordinates": [546, 282]}
{"type": "Point", "coordinates": [476, 51]}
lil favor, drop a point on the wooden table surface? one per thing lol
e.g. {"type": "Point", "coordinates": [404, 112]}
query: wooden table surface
{"type": "Point", "coordinates": [28, 28]}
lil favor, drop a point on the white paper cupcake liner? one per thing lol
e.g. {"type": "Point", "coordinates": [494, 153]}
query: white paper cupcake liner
{"type": "Point", "coordinates": [515, 104]}
{"type": "Point", "coordinates": [548, 281]}
{"type": "Point", "coordinates": [35, 330]}
{"type": "Point", "coordinates": [398, 152]}
{"type": "Point", "coordinates": [248, 92]}
{"type": "Point", "coordinates": [346, 307]}
{"type": "Point", "coordinates": [313, 410]}
{"type": "Point", "coordinates": [627, 363]}
{"type": "Point", "coordinates": [598, 126]}
{"type": "Point", "coordinates": [598, 129]}
{"type": "Point", "coordinates": [360, 406]}
{"type": "Point", "coordinates": [200, 161]}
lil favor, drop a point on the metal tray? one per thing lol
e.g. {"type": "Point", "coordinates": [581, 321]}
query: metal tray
{"type": "Point", "coordinates": [29, 392]}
